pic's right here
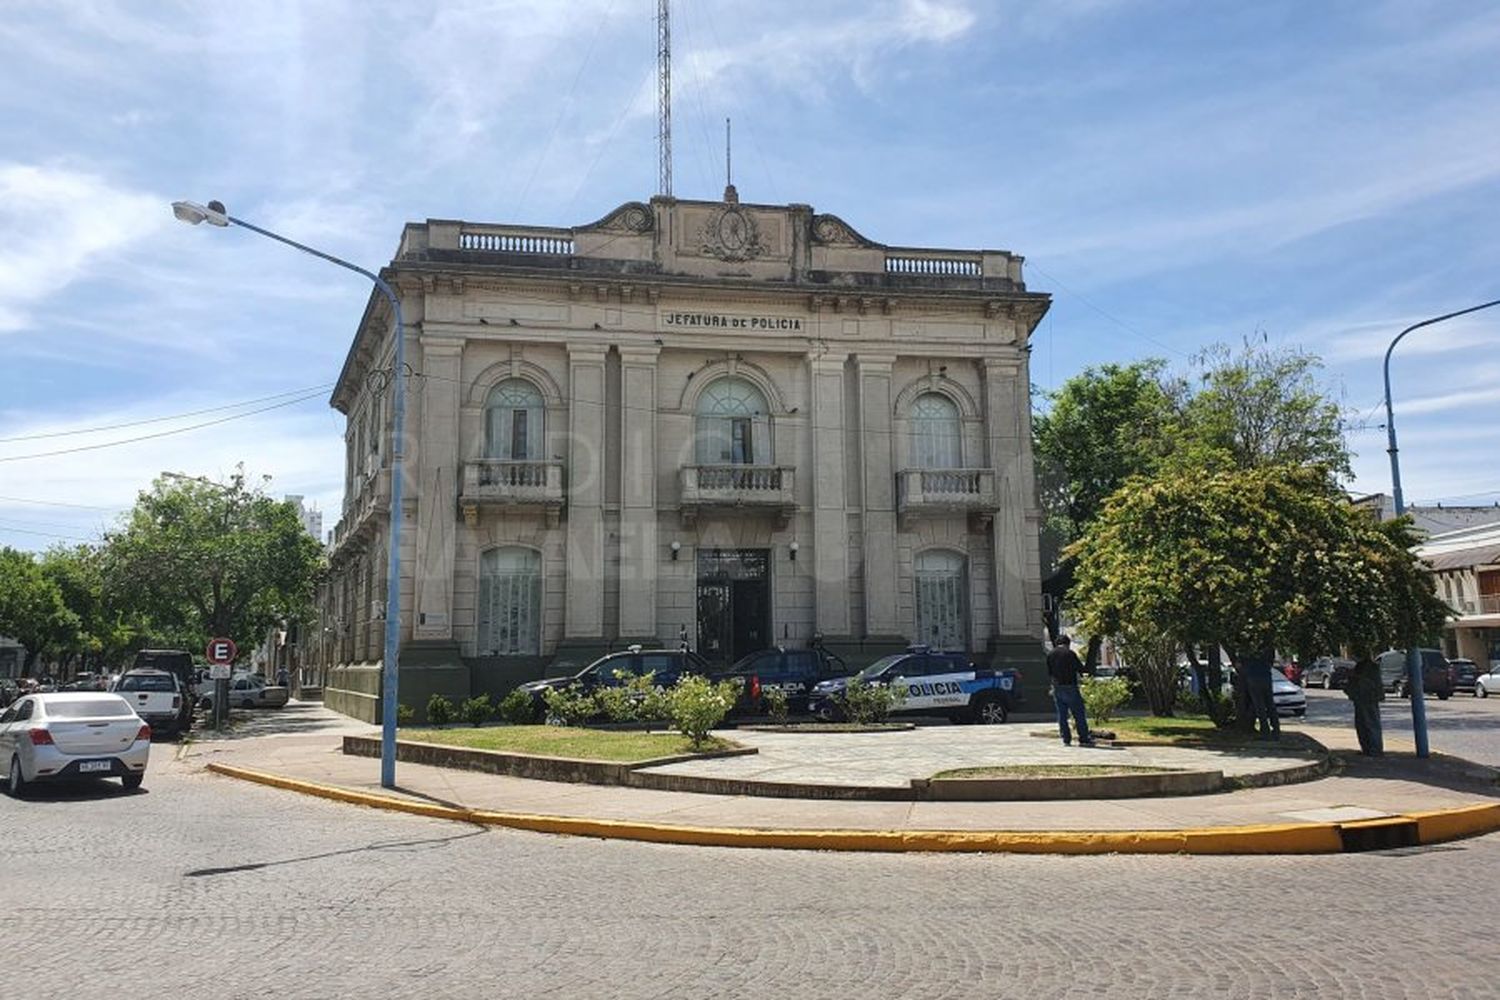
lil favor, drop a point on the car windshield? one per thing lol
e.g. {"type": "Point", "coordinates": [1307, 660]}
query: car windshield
{"type": "Point", "coordinates": [88, 708]}
{"type": "Point", "coordinates": [147, 682]}
{"type": "Point", "coordinates": [879, 666]}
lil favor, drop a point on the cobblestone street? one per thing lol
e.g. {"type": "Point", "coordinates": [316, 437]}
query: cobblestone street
{"type": "Point", "coordinates": [204, 886]}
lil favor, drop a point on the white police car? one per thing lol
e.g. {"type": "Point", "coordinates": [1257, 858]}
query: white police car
{"type": "Point", "coordinates": [931, 683]}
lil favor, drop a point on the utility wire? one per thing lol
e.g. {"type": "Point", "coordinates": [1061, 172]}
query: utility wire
{"type": "Point", "coordinates": [1113, 319]}
{"type": "Point", "coordinates": [174, 416]}
{"type": "Point", "coordinates": [45, 534]}
{"type": "Point", "coordinates": [160, 434]}
{"type": "Point", "coordinates": [60, 503]}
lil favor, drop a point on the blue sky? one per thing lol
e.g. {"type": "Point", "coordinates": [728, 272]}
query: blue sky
{"type": "Point", "coordinates": [1174, 172]}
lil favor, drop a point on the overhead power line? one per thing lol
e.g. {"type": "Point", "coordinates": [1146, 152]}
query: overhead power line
{"type": "Point", "coordinates": [161, 434]}
{"type": "Point", "coordinates": [175, 416]}
{"type": "Point", "coordinates": [58, 503]}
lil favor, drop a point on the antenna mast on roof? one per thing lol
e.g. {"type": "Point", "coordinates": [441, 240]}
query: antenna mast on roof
{"type": "Point", "coordinates": [664, 97]}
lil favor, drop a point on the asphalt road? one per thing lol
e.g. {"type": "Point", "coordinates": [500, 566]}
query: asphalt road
{"type": "Point", "coordinates": [1463, 725]}
{"type": "Point", "coordinates": [205, 887]}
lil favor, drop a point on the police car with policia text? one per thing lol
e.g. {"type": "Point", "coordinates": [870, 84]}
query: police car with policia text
{"type": "Point", "coordinates": [932, 683]}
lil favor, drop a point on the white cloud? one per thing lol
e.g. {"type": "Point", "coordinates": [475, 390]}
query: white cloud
{"type": "Point", "coordinates": [1367, 340]}
{"type": "Point", "coordinates": [58, 226]}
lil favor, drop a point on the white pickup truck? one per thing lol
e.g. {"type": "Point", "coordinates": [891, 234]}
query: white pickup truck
{"type": "Point", "coordinates": [155, 696]}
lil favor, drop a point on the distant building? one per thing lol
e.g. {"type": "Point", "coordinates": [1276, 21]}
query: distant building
{"type": "Point", "coordinates": [12, 657]}
{"type": "Point", "coordinates": [1431, 519]}
{"type": "Point", "coordinates": [1466, 569]}
{"type": "Point", "coordinates": [311, 517]}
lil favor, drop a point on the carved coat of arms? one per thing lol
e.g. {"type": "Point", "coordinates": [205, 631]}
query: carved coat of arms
{"type": "Point", "coordinates": [730, 234]}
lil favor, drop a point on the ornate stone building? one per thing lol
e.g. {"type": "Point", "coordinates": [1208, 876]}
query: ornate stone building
{"type": "Point", "coordinates": [742, 424]}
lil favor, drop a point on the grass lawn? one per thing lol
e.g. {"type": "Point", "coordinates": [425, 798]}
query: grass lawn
{"type": "Point", "coordinates": [620, 746]}
{"type": "Point", "coordinates": [1195, 730]}
{"type": "Point", "coordinates": [1048, 771]}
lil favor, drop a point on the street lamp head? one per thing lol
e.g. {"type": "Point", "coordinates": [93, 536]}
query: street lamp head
{"type": "Point", "coordinates": [214, 213]}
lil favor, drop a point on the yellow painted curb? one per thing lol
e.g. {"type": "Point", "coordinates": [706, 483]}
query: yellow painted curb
{"type": "Point", "coordinates": [1439, 825]}
{"type": "Point", "coordinates": [1291, 838]}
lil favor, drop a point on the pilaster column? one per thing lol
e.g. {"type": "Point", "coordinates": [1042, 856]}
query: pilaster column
{"type": "Point", "coordinates": [584, 616]}
{"type": "Point", "coordinates": [638, 555]}
{"type": "Point", "coordinates": [830, 518]}
{"type": "Point", "coordinates": [1007, 436]}
{"type": "Point", "coordinates": [877, 466]}
{"type": "Point", "coordinates": [437, 484]}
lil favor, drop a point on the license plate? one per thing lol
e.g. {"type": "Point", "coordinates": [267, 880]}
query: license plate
{"type": "Point", "coordinates": [89, 766]}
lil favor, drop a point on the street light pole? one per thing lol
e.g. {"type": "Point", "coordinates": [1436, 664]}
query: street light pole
{"type": "Point", "coordinates": [1413, 657]}
{"type": "Point", "coordinates": [214, 213]}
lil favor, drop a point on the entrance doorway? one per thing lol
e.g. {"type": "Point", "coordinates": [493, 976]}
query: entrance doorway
{"type": "Point", "coordinates": [734, 603]}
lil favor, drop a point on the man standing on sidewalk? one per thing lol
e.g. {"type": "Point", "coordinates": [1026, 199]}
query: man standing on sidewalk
{"type": "Point", "coordinates": [1367, 691]}
{"type": "Point", "coordinates": [1064, 667]}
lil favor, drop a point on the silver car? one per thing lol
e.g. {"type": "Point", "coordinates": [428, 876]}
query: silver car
{"type": "Point", "coordinates": [73, 734]}
{"type": "Point", "coordinates": [245, 691]}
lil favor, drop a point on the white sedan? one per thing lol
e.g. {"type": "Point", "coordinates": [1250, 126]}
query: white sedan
{"type": "Point", "coordinates": [73, 734]}
{"type": "Point", "coordinates": [1488, 683]}
{"type": "Point", "coordinates": [1289, 698]}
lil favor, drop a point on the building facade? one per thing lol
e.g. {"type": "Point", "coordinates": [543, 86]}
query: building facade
{"type": "Point", "coordinates": [1466, 571]}
{"type": "Point", "coordinates": [727, 424]}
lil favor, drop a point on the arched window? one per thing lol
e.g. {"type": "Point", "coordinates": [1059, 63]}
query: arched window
{"type": "Point", "coordinates": [734, 424]}
{"type": "Point", "coordinates": [510, 602]}
{"type": "Point", "coordinates": [935, 433]}
{"type": "Point", "coordinates": [513, 421]}
{"type": "Point", "coordinates": [942, 600]}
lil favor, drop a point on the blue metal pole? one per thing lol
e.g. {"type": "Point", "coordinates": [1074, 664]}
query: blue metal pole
{"type": "Point", "coordinates": [1413, 657]}
{"type": "Point", "coordinates": [390, 672]}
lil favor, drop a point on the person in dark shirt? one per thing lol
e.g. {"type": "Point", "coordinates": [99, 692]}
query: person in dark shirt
{"type": "Point", "coordinates": [1063, 667]}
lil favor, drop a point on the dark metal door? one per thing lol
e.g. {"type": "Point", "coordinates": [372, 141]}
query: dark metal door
{"type": "Point", "coordinates": [734, 603]}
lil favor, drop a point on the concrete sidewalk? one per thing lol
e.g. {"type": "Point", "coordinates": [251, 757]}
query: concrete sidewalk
{"type": "Point", "coordinates": [1306, 817]}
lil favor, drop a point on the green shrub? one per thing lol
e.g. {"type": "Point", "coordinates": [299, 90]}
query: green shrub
{"type": "Point", "coordinates": [1102, 695]}
{"type": "Point", "coordinates": [653, 703]}
{"type": "Point", "coordinates": [697, 705]}
{"type": "Point", "coordinates": [518, 708]}
{"type": "Point", "coordinates": [569, 708]}
{"type": "Point", "coordinates": [476, 711]}
{"type": "Point", "coordinates": [866, 703]}
{"type": "Point", "coordinates": [405, 714]}
{"type": "Point", "coordinates": [773, 700]}
{"type": "Point", "coordinates": [619, 704]}
{"type": "Point", "coordinates": [439, 710]}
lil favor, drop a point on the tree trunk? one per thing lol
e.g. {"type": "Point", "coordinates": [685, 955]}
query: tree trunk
{"type": "Point", "coordinates": [1091, 660]}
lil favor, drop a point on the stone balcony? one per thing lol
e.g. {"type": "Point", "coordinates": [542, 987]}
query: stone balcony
{"type": "Point", "coordinates": [925, 492]}
{"type": "Point", "coordinates": [749, 488]}
{"type": "Point", "coordinates": [372, 495]}
{"type": "Point", "coordinates": [521, 485]}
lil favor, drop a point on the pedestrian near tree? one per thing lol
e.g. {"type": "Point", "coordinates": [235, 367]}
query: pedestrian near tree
{"type": "Point", "coordinates": [1257, 673]}
{"type": "Point", "coordinates": [1063, 667]}
{"type": "Point", "coordinates": [1366, 690]}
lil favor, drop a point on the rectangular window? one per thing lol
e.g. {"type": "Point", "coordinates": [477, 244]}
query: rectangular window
{"type": "Point", "coordinates": [518, 437]}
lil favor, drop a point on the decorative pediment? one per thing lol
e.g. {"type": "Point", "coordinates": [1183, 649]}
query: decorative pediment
{"type": "Point", "coordinates": [730, 234]}
{"type": "Point", "coordinates": [830, 230]}
{"type": "Point", "coordinates": [631, 217]}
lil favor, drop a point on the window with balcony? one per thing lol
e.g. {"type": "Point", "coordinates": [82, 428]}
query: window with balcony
{"type": "Point", "coordinates": [936, 433]}
{"type": "Point", "coordinates": [733, 424]}
{"type": "Point", "coordinates": [942, 601]}
{"type": "Point", "coordinates": [510, 602]}
{"type": "Point", "coordinates": [513, 421]}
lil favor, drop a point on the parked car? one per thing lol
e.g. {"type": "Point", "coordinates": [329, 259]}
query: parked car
{"type": "Point", "coordinates": [156, 696]}
{"type": "Point", "coordinates": [1465, 675]}
{"type": "Point", "coordinates": [934, 683]}
{"type": "Point", "coordinates": [246, 691]}
{"type": "Point", "coordinates": [9, 691]}
{"type": "Point", "coordinates": [69, 735]}
{"type": "Point", "coordinates": [1289, 698]}
{"type": "Point", "coordinates": [1292, 671]}
{"type": "Point", "coordinates": [1438, 676]}
{"type": "Point", "coordinates": [794, 672]}
{"type": "Point", "coordinates": [665, 665]}
{"type": "Point", "coordinates": [1488, 683]}
{"type": "Point", "coordinates": [1328, 672]}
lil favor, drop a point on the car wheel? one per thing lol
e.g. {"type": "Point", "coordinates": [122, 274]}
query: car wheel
{"type": "Point", "coordinates": [132, 781]}
{"type": "Point", "coordinates": [1480, 691]}
{"type": "Point", "coordinates": [1327, 682]}
{"type": "Point", "coordinates": [990, 712]}
{"type": "Point", "coordinates": [16, 784]}
{"type": "Point", "coordinates": [1444, 695]}
{"type": "Point", "coordinates": [206, 704]}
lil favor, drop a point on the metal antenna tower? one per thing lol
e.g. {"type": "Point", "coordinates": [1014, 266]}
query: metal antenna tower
{"type": "Point", "coordinates": [664, 97]}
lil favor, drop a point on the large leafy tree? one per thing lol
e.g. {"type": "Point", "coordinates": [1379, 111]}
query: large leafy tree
{"type": "Point", "coordinates": [198, 559]}
{"type": "Point", "coordinates": [1250, 560]}
{"type": "Point", "coordinates": [32, 609]}
{"type": "Point", "coordinates": [1261, 406]}
{"type": "Point", "coordinates": [108, 624]}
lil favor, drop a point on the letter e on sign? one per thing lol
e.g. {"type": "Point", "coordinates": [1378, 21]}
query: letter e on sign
{"type": "Point", "coordinates": [221, 651]}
